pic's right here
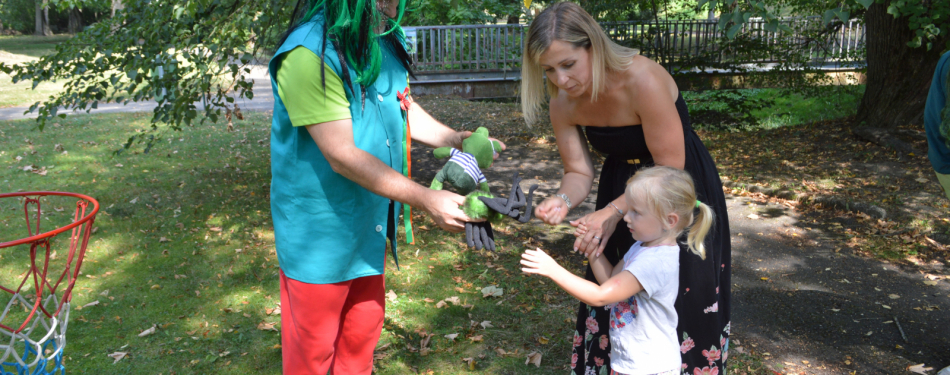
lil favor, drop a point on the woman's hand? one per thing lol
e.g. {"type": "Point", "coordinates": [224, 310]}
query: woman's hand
{"type": "Point", "coordinates": [593, 230]}
{"type": "Point", "coordinates": [538, 262]}
{"type": "Point", "coordinates": [551, 211]}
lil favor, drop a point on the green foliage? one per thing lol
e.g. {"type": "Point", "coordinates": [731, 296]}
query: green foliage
{"type": "Point", "coordinates": [460, 12]}
{"type": "Point", "coordinates": [929, 20]}
{"type": "Point", "coordinates": [177, 53]}
{"type": "Point", "coordinates": [20, 15]}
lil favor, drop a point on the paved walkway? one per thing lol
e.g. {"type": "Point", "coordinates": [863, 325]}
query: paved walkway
{"type": "Point", "coordinates": [263, 101]}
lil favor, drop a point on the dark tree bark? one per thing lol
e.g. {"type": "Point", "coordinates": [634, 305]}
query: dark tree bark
{"type": "Point", "coordinates": [42, 19]}
{"type": "Point", "coordinates": [75, 21]}
{"type": "Point", "coordinates": [898, 76]}
{"type": "Point", "coordinates": [514, 19]}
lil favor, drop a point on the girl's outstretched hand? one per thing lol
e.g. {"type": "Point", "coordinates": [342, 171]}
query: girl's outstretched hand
{"type": "Point", "coordinates": [538, 262]}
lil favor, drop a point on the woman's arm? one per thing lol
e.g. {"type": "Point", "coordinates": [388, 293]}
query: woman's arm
{"type": "Point", "coordinates": [578, 167]}
{"type": "Point", "coordinates": [335, 140]}
{"type": "Point", "coordinates": [662, 127]}
{"type": "Point", "coordinates": [615, 289]}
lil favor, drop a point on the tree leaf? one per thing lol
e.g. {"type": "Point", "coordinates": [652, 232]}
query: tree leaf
{"type": "Point", "coordinates": [865, 3]}
{"type": "Point", "coordinates": [731, 34]}
{"type": "Point", "coordinates": [828, 16]}
{"type": "Point", "coordinates": [843, 15]}
{"type": "Point", "coordinates": [534, 358]}
{"type": "Point", "coordinates": [919, 368]}
{"type": "Point", "coordinates": [492, 291]}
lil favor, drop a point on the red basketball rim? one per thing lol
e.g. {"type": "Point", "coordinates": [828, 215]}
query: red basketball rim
{"type": "Point", "coordinates": [81, 221]}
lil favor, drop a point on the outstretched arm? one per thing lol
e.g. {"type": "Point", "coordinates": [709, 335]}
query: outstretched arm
{"type": "Point", "coordinates": [615, 289]}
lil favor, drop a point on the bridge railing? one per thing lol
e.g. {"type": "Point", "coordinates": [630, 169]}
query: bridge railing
{"type": "Point", "coordinates": [673, 43]}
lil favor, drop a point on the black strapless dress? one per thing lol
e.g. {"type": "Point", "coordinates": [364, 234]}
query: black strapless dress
{"type": "Point", "coordinates": [704, 291]}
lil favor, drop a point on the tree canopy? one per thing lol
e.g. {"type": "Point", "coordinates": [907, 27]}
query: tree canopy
{"type": "Point", "coordinates": [180, 53]}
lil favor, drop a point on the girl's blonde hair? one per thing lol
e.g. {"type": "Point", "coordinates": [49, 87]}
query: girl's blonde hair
{"type": "Point", "coordinates": [669, 190]}
{"type": "Point", "coordinates": [567, 22]}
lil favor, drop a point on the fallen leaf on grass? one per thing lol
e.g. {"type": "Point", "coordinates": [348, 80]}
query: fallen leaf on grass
{"type": "Point", "coordinates": [471, 363]}
{"type": "Point", "coordinates": [501, 352]}
{"type": "Point", "coordinates": [427, 299]}
{"type": "Point", "coordinates": [534, 358]}
{"type": "Point", "coordinates": [486, 324]}
{"type": "Point", "coordinates": [476, 338]}
{"type": "Point", "coordinates": [147, 332]}
{"type": "Point", "coordinates": [440, 305]}
{"type": "Point", "coordinates": [543, 340]}
{"type": "Point", "coordinates": [90, 304]}
{"type": "Point", "coordinates": [492, 291]}
{"type": "Point", "coordinates": [930, 282]}
{"type": "Point", "coordinates": [117, 356]}
{"type": "Point", "coordinates": [753, 216]}
{"type": "Point", "coordinates": [453, 300]}
{"type": "Point", "coordinates": [452, 336]}
{"type": "Point", "coordinates": [391, 296]}
{"type": "Point", "coordinates": [265, 326]}
{"type": "Point", "coordinates": [919, 368]}
{"type": "Point", "coordinates": [163, 239]}
{"type": "Point", "coordinates": [893, 296]}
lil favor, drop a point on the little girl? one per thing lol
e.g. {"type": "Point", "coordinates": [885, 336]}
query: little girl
{"type": "Point", "coordinates": [661, 202]}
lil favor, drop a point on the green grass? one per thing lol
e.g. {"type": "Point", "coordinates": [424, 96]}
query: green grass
{"type": "Point", "coordinates": [32, 46]}
{"type": "Point", "coordinates": [19, 50]}
{"type": "Point", "coordinates": [165, 254]}
{"type": "Point", "coordinates": [780, 108]}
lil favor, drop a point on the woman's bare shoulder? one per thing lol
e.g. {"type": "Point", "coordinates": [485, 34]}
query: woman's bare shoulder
{"type": "Point", "coordinates": [646, 77]}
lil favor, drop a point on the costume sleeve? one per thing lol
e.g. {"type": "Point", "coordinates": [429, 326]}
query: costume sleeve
{"type": "Point", "coordinates": [300, 88]}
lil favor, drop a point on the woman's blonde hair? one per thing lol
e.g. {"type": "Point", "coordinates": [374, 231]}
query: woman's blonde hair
{"type": "Point", "coordinates": [567, 22]}
{"type": "Point", "coordinates": [669, 190]}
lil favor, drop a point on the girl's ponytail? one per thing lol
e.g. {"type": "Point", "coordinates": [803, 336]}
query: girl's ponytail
{"type": "Point", "coordinates": [700, 228]}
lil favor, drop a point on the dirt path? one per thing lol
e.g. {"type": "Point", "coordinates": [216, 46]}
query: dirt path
{"type": "Point", "coordinates": [799, 302]}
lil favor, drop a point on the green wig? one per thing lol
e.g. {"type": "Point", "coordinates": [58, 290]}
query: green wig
{"type": "Point", "coordinates": [353, 28]}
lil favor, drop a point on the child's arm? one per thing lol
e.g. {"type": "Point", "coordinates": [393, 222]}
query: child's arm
{"type": "Point", "coordinates": [615, 289]}
{"type": "Point", "coordinates": [602, 268]}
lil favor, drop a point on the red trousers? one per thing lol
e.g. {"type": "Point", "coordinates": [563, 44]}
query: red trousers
{"type": "Point", "coordinates": [330, 327]}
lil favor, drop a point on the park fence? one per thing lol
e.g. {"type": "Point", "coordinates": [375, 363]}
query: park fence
{"type": "Point", "coordinates": [679, 45]}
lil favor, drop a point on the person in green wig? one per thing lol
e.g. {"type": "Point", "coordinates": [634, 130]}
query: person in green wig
{"type": "Point", "coordinates": [937, 123]}
{"type": "Point", "coordinates": [340, 138]}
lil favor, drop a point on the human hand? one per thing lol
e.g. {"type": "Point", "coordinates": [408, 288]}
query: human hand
{"type": "Point", "coordinates": [551, 211]}
{"type": "Point", "coordinates": [538, 262]}
{"type": "Point", "coordinates": [443, 207]}
{"type": "Point", "coordinates": [593, 230]}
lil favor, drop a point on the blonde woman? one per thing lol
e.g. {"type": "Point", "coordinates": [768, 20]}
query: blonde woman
{"type": "Point", "coordinates": [629, 108]}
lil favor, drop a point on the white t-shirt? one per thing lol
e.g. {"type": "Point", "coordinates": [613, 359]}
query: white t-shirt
{"type": "Point", "coordinates": [643, 328]}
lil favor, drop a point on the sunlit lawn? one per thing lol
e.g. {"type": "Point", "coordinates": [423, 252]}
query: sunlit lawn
{"type": "Point", "coordinates": [184, 242]}
{"type": "Point", "coordinates": [22, 49]}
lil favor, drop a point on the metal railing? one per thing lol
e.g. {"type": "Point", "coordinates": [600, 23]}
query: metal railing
{"type": "Point", "coordinates": [673, 43]}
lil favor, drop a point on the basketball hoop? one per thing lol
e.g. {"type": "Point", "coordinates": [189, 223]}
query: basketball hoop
{"type": "Point", "coordinates": [33, 322]}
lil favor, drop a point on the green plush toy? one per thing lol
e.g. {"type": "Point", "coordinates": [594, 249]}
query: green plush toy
{"type": "Point", "coordinates": [463, 170]}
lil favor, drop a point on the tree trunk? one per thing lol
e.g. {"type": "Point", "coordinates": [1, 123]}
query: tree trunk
{"type": "Point", "coordinates": [75, 21]}
{"type": "Point", "coordinates": [898, 76]}
{"type": "Point", "coordinates": [514, 19]}
{"type": "Point", "coordinates": [42, 19]}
